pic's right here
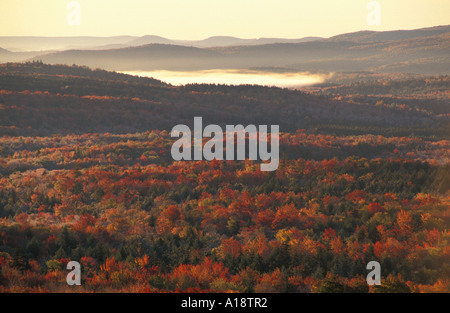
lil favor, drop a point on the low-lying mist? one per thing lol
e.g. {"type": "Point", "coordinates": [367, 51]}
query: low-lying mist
{"type": "Point", "coordinates": [235, 77]}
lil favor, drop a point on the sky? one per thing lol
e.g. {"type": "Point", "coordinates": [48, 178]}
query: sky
{"type": "Point", "coordinates": [199, 19]}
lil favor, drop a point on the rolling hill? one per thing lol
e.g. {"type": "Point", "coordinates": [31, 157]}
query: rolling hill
{"type": "Point", "coordinates": [38, 99]}
{"type": "Point", "coordinates": [425, 51]}
{"type": "Point", "coordinates": [36, 43]}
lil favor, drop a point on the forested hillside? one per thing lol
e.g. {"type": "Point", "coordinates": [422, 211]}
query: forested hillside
{"type": "Point", "coordinates": [66, 100]}
{"type": "Point", "coordinates": [86, 174]}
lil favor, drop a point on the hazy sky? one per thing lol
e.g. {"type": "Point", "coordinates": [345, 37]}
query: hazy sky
{"type": "Point", "coordinates": [198, 19]}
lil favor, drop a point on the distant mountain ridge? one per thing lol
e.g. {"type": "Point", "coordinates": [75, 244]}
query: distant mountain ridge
{"type": "Point", "coordinates": [376, 36]}
{"type": "Point", "coordinates": [421, 51]}
{"type": "Point", "coordinates": [33, 43]}
{"type": "Point", "coordinates": [37, 43]}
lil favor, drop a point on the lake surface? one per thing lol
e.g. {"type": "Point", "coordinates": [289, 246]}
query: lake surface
{"type": "Point", "coordinates": [234, 77]}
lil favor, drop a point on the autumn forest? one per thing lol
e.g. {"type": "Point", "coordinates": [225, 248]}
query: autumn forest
{"type": "Point", "coordinates": [86, 174]}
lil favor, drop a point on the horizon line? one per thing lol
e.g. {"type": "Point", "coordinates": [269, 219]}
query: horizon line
{"type": "Point", "coordinates": [230, 36]}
